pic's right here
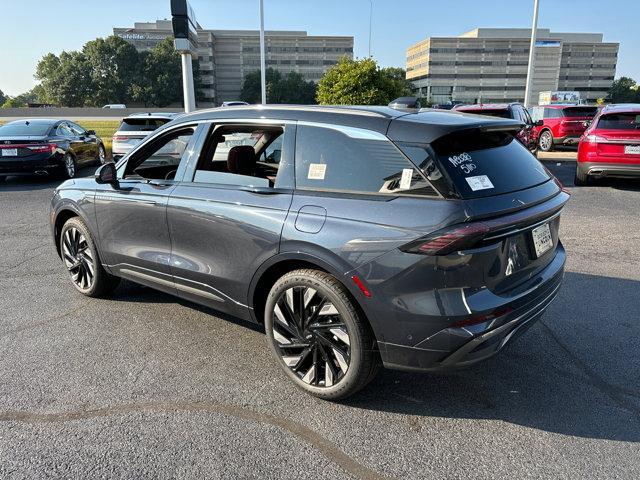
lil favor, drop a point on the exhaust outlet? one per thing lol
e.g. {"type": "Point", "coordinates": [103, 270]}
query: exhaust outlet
{"type": "Point", "coordinates": [42, 172]}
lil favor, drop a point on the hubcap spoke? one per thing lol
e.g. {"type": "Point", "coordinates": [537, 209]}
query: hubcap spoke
{"type": "Point", "coordinates": [78, 258]}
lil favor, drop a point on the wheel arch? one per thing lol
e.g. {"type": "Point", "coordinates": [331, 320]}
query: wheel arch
{"type": "Point", "coordinates": [62, 215]}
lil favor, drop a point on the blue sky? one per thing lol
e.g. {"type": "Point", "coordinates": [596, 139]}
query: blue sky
{"type": "Point", "coordinates": [32, 28]}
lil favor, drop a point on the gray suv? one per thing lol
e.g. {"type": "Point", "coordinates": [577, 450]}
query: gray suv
{"type": "Point", "coordinates": [358, 237]}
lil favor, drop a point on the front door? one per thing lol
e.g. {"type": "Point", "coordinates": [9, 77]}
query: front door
{"type": "Point", "coordinates": [132, 216]}
{"type": "Point", "coordinates": [226, 217]}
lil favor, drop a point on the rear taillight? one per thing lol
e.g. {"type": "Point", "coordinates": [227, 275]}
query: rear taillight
{"type": "Point", "coordinates": [593, 139]}
{"type": "Point", "coordinates": [43, 148]}
{"type": "Point", "coordinates": [119, 139]}
{"type": "Point", "coordinates": [447, 240]}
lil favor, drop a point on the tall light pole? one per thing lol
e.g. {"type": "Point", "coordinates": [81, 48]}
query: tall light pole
{"type": "Point", "coordinates": [263, 73]}
{"type": "Point", "coordinates": [532, 53]}
{"type": "Point", "coordinates": [370, 16]}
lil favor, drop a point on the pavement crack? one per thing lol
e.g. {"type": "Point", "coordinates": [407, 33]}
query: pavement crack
{"type": "Point", "coordinates": [320, 443]}
{"type": "Point", "coordinates": [615, 393]}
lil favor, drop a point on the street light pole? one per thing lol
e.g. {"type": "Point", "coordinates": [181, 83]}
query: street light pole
{"type": "Point", "coordinates": [370, 16]}
{"type": "Point", "coordinates": [532, 53]}
{"type": "Point", "coordinates": [263, 73]}
{"type": "Point", "coordinates": [187, 82]}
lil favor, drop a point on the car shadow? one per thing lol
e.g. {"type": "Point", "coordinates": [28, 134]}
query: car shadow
{"type": "Point", "coordinates": [571, 374]}
{"type": "Point", "coordinates": [35, 182]}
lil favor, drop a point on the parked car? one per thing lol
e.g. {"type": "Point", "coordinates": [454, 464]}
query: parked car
{"type": "Point", "coordinates": [447, 105]}
{"type": "Point", "coordinates": [115, 105]}
{"type": "Point", "coordinates": [406, 103]}
{"type": "Point", "coordinates": [134, 128]}
{"type": "Point", "coordinates": [610, 146]}
{"type": "Point", "coordinates": [561, 124]}
{"type": "Point", "coordinates": [47, 147]}
{"type": "Point", "coordinates": [423, 241]}
{"type": "Point", "coordinates": [234, 103]}
{"type": "Point", "coordinates": [514, 111]}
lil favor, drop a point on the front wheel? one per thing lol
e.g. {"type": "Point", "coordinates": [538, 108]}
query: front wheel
{"type": "Point", "coordinates": [545, 142]}
{"type": "Point", "coordinates": [318, 335]}
{"type": "Point", "coordinates": [80, 257]}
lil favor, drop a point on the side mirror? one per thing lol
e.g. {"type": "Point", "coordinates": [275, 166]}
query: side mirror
{"type": "Point", "coordinates": [90, 132]}
{"type": "Point", "coordinates": [106, 174]}
{"type": "Point", "coordinates": [538, 123]}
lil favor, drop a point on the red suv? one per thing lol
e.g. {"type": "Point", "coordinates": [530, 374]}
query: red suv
{"type": "Point", "coordinates": [507, 110]}
{"type": "Point", "coordinates": [561, 124]}
{"type": "Point", "coordinates": [611, 145]}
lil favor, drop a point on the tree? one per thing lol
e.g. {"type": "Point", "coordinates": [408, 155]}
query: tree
{"type": "Point", "coordinates": [361, 82]}
{"type": "Point", "coordinates": [22, 99]}
{"type": "Point", "coordinates": [290, 88]}
{"type": "Point", "coordinates": [624, 90]}
{"type": "Point", "coordinates": [3, 97]}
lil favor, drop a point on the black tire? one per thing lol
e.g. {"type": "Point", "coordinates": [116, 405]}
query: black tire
{"type": "Point", "coordinates": [80, 258]}
{"type": "Point", "coordinates": [102, 154]}
{"type": "Point", "coordinates": [581, 179]}
{"type": "Point", "coordinates": [357, 350]}
{"type": "Point", "coordinates": [69, 166]}
{"type": "Point", "coordinates": [545, 141]}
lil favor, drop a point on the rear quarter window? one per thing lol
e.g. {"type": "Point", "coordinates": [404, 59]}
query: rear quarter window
{"type": "Point", "coordinates": [353, 160]}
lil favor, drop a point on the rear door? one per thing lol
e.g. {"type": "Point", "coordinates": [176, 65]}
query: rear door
{"type": "Point", "coordinates": [76, 145]}
{"type": "Point", "coordinates": [226, 217]}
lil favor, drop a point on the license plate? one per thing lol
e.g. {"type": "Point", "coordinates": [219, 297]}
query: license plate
{"type": "Point", "coordinates": [632, 149]}
{"type": "Point", "coordinates": [9, 152]}
{"type": "Point", "coordinates": [542, 240]}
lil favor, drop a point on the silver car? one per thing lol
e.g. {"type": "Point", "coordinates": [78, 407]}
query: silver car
{"type": "Point", "coordinates": [135, 128]}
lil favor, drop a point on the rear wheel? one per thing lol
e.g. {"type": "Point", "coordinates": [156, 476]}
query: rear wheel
{"type": "Point", "coordinates": [545, 142]}
{"type": "Point", "coordinates": [81, 260]}
{"type": "Point", "coordinates": [581, 179]}
{"type": "Point", "coordinates": [102, 154]}
{"type": "Point", "coordinates": [69, 166]}
{"type": "Point", "coordinates": [318, 335]}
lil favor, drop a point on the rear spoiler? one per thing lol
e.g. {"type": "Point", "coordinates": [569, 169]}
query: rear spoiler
{"type": "Point", "coordinates": [511, 126]}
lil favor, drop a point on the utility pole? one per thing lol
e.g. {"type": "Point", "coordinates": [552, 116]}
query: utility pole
{"type": "Point", "coordinates": [370, 16]}
{"type": "Point", "coordinates": [263, 72]}
{"type": "Point", "coordinates": [532, 54]}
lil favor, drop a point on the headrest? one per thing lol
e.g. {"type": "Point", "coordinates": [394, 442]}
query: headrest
{"type": "Point", "coordinates": [242, 160]}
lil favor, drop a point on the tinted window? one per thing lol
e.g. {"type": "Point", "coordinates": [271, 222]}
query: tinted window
{"type": "Point", "coordinates": [552, 113]}
{"type": "Point", "coordinates": [23, 128]}
{"type": "Point", "coordinates": [64, 130]}
{"type": "Point", "coordinates": [620, 121]}
{"type": "Point", "coordinates": [354, 160]}
{"type": "Point", "coordinates": [579, 111]}
{"type": "Point", "coordinates": [478, 164]}
{"type": "Point", "coordinates": [496, 112]}
{"type": "Point", "coordinates": [243, 155]}
{"type": "Point", "coordinates": [141, 124]}
{"type": "Point", "coordinates": [76, 129]}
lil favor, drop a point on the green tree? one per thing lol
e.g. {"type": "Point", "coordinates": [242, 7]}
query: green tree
{"type": "Point", "coordinates": [361, 82]}
{"type": "Point", "coordinates": [290, 88]}
{"type": "Point", "coordinates": [624, 90]}
{"type": "Point", "coordinates": [21, 100]}
{"type": "Point", "coordinates": [3, 97]}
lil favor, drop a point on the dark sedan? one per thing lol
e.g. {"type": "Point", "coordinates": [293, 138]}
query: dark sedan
{"type": "Point", "coordinates": [47, 147]}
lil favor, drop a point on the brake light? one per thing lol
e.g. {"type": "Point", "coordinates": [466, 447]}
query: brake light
{"type": "Point", "coordinates": [593, 139]}
{"type": "Point", "coordinates": [119, 139]}
{"type": "Point", "coordinates": [43, 148]}
{"type": "Point", "coordinates": [447, 240]}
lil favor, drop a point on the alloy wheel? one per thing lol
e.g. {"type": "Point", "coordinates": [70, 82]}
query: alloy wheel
{"type": "Point", "coordinates": [102, 155]}
{"type": "Point", "coordinates": [70, 166]}
{"type": "Point", "coordinates": [78, 258]}
{"type": "Point", "coordinates": [311, 337]}
{"type": "Point", "coordinates": [545, 141]}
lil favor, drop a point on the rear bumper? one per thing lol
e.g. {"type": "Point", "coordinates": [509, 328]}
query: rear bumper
{"type": "Point", "coordinates": [457, 347]}
{"type": "Point", "coordinates": [606, 169]}
{"type": "Point", "coordinates": [46, 166]}
{"type": "Point", "coordinates": [569, 140]}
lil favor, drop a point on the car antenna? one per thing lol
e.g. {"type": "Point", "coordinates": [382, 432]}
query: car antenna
{"type": "Point", "coordinates": [26, 122]}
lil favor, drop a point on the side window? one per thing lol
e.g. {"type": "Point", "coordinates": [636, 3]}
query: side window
{"type": "Point", "coordinates": [243, 155]}
{"type": "Point", "coordinates": [64, 130]}
{"type": "Point", "coordinates": [526, 116]}
{"type": "Point", "coordinates": [354, 160]}
{"type": "Point", "coordinates": [536, 114]}
{"type": "Point", "coordinates": [159, 159]}
{"type": "Point", "coordinates": [76, 129]}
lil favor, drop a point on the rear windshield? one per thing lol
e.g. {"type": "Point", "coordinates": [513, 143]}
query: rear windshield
{"type": "Point", "coordinates": [476, 164]}
{"type": "Point", "coordinates": [620, 121]}
{"type": "Point", "coordinates": [23, 128]}
{"type": "Point", "coordinates": [141, 124]}
{"type": "Point", "coordinates": [502, 112]}
{"type": "Point", "coordinates": [579, 111]}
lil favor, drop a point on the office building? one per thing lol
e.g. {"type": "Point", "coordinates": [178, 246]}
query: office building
{"type": "Point", "coordinates": [226, 56]}
{"type": "Point", "coordinates": [490, 65]}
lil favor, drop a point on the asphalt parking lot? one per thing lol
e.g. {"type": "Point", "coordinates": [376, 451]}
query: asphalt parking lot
{"type": "Point", "coordinates": [144, 385]}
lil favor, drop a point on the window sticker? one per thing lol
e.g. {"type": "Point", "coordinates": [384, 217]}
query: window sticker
{"type": "Point", "coordinates": [481, 182]}
{"type": "Point", "coordinates": [317, 171]}
{"type": "Point", "coordinates": [405, 180]}
{"type": "Point", "coordinates": [457, 160]}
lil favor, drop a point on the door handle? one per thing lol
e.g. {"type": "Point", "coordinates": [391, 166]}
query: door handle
{"type": "Point", "coordinates": [264, 190]}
